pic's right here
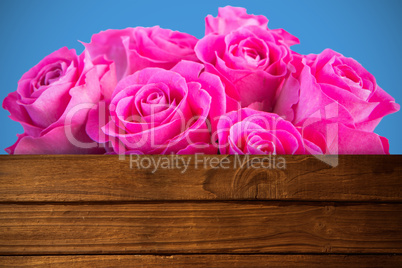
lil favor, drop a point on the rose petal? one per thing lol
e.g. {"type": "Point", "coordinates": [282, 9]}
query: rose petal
{"type": "Point", "coordinates": [191, 71]}
{"type": "Point", "coordinates": [60, 140]}
{"type": "Point", "coordinates": [198, 148]}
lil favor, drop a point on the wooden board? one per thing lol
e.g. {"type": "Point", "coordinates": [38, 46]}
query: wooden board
{"type": "Point", "coordinates": [97, 211]}
{"type": "Point", "coordinates": [209, 260]}
{"type": "Point", "coordinates": [193, 227]}
{"type": "Point", "coordinates": [106, 178]}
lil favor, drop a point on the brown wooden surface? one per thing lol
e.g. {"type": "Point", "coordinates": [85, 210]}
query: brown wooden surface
{"type": "Point", "coordinates": [94, 211]}
{"type": "Point", "coordinates": [105, 178]}
{"type": "Point", "coordinates": [211, 227]}
{"type": "Point", "coordinates": [210, 261]}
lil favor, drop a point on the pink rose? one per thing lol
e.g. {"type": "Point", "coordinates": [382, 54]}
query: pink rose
{"type": "Point", "coordinates": [251, 61]}
{"type": "Point", "coordinates": [332, 137]}
{"type": "Point", "coordinates": [248, 131]}
{"type": "Point", "coordinates": [346, 81]}
{"type": "Point", "coordinates": [52, 103]}
{"type": "Point", "coordinates": [231, 18]}
{"type": "Point", "coordinates": [158, 111]}
{"type": "Point", "coordinates": [134, 49]}
{"type": "Point", "coordinates": [338, 100]}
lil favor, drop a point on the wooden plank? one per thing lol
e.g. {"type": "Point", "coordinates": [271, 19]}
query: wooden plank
{"type": "Point", "coordinates": [194, 227]}
{"type": "Point", "coordinates": [106, 178]}
{"type": "Point", "coordinates": [255, 261]}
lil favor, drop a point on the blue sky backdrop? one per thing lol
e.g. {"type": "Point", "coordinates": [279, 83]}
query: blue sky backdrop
{"type": "Point", "coordinates": [367, 30]}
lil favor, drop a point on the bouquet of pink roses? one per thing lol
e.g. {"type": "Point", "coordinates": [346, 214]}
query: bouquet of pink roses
{"type": "Point", "coordinates": [238, 90]}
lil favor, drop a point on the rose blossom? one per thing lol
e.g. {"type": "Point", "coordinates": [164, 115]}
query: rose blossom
{"type": "Point", "coordinates": [134, 49]}
{"type": "Point", "coordinates": [251, 61]}
{"type": "Point", "coordinates": [349, 83]}
{"type": "Point", "coordinates": [334, 137]}
{"type": "Point", "coordinates": [338, 99]}
{"type": "Point", "coordinates": [231, 18]}
{"type": "Point", "coordinates": [52, 102]}
{"type": "Point", "coordinates": [248, 131]}
{"type": "Point", "coordinates": [158, 111]}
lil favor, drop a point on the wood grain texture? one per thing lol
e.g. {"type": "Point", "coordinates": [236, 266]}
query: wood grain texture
{"type": "Point", "coordinates": [94, 211]}
{"type": "Point", "coordinates": [211, 261]}
{"type": "Point", "coordinates": [106, 178]}
{"type": "Point", "coordinates": [194, 227]}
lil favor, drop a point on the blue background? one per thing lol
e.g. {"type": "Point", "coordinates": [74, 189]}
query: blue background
{"type": "Point", "coordinates": [367, 30]}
